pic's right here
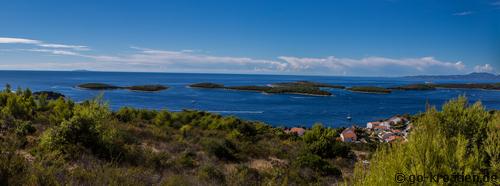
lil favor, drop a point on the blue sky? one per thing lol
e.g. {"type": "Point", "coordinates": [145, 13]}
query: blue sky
{"type": "Point", "coordinates": [342, 37]}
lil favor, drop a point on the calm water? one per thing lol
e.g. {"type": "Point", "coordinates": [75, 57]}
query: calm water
{"type": "Point", "coordinates": [287, 110]}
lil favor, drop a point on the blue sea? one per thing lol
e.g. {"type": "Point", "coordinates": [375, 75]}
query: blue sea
{"type": "Point", "coordinates": [276, 109]}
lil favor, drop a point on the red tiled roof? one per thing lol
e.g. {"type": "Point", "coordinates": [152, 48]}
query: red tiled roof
{"type": "Point", "coordinates": [392, 138]}
{"type": "Point", "coordinates": [349, 133]}
{"type": "Point", "coordinates": [380, 127]}
{"type": "Point", "coordinates": [298, 131]}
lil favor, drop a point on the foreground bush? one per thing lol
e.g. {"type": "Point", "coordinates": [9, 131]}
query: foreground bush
{"type": "Point", "coordinates": [462, 139]}
{"type": "Point", "coordinates": [59, 142]}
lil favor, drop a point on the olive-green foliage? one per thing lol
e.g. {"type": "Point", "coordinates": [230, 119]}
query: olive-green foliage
{"type": "Point", "coordinates": [322, 141]}
{"type": "Point", "coordinates": [13, 167]}
{"type": "Point", "coordinates": [59, 142]}
{"type": "Point", "coordinates": [492, 144]}
{"type": "Point", "coordinates": [24, 127]}
{"type": "Point", "coordinates": [461, 139]}
{"type": "Point", "coordinates": [244, 175]}
{"type": "Point", "coordinates": [223, 149]}
{"type": "Point", "coordinates": [211, 174]}
{"type": "Point", "coordinates": [89, 127]}
{"type": "Point", "coordinates": [316, 163]}
{"type": "Point", "coordinates": [61, 110]}
{"type": "Point", "coordinates": [20, 105]}
{"type": "Point", "coordinates": [163, 119]}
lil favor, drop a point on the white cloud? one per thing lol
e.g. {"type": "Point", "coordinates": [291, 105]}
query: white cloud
{"type": "Point", "coordinates": [287, 64]}
{"type": "Point", "coordinates": [191, 59]}
{"type": "Point", "coordinates": [464, 13]}
{"type": "Point", "coordinates": [371, 64]}
{"type": "Point", "coordinates": [74, 47]}
{"type": "Point", "coordinates": [11, 40]}
{"type": "Point", "coordinates": [144, 59]}
{"type": "Point", "coordinates": [483, 68]}
{"type": "Point", "coordinates": [55, 52]}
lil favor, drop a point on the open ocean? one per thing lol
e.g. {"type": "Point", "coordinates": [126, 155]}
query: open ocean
{"type": "Point", "coordinates": [276, 109]}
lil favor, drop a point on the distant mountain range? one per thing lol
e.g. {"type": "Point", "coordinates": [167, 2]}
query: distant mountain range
{"type": "Point", "coordinates": [471, 76]}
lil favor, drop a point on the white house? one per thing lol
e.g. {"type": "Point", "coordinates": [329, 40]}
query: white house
{"type": "Point", "coordinates": [372, 124]}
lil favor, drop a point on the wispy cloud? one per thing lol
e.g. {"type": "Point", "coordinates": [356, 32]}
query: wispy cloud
{"type": "Point", "coordinates": [284, 64]}
{"type": "Point", "coordinates": [55, 52]}
{"type": "Point", "coordinates": [11, 40]}
{"type": "Point", "coordinates": [73, 47]}
{"type": "Point", "coordinates": [373, 65]}
{"type": "Point", "coordinates": [145, 59]}
{"type": "Point", "coordinates": [464, 13]}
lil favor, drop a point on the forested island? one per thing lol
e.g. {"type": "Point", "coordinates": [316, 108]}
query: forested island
{"type": "Point", "coordinates": [103, 86]}
{"type": "Point", "coordinates": [298, 87]}
{"type": "Point", "coordinates": [307, 84]}
{"type": "Point", "coordinates": [414, 87]}
{"type": "Point", "coordinates": [301, 87]}
{"type": "Point", "coordinates": [314, 88]}
{"type": "Point", "coordinates": [370, 89]}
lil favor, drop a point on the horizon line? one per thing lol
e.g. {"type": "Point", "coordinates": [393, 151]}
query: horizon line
{"type": "Point", "coordinates": [226, 73]}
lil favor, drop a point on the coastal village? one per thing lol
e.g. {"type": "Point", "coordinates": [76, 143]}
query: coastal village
{"type": "Point", "coordinates": [394, 129]}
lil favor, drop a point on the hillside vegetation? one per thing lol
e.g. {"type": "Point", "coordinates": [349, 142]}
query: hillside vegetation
{"type": "Point", "coordinates": [461, 139]}
{"type": "Point", "coordinates": [59, 142]}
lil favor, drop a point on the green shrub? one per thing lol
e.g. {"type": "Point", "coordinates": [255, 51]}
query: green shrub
{"type": "Point", "coordinates": [244, 175]}
{"type": "Point", "coordinates": [163, 118]}
{"type": "Point", "coordinates": [13, 167]}
{"type": "Point", "coordinates": [24, 127]}
{"type": "Point", "coordinates": [223, 150]}
{"type": "Point", "coordinates": [126, 114]}
{"type": "Point", "coordinates": [462, 139]}
{"type": "Point", "coordinates": [88, 128]}
{"type": "Point", "coordinates": [20, 105]}
{"type": "Point", "coordinates": [61, 110]}
{"type": "Point", "coordinates": [185, 130]}
{"type": "Point", "coordinates": [186, 160]}
{"type": "Point", "coordinates": [322, 141]}
{"type": "Point", "coordinates": [317, 164]}
{"type": "Point", "coordinates": [211, 174]}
